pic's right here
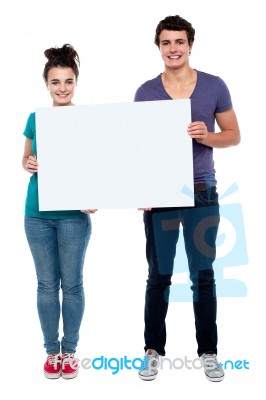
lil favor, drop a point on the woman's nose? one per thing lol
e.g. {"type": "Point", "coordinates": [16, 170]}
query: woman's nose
{"type": "Point", "coordinates": [62, 87]}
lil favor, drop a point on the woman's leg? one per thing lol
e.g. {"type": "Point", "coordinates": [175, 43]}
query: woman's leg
{"type": "Point", "coordinates": [73, 236]}
{"type": "Point", "coordinates": [41, 236]}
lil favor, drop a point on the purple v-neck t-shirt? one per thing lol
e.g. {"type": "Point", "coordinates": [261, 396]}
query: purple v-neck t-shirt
{"type": "Point", "coordinates": [210, 96]}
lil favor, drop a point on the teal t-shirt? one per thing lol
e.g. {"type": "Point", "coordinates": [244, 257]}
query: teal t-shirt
{"type": "Point", "coordinates": [32, 202]}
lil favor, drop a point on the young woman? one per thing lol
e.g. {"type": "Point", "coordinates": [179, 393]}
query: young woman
{"type": "Point", "coordinates": [210, 103]}
{"type": "Point", "coordinates": [57, 239]}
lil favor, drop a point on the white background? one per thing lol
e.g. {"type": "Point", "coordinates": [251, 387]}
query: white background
{"type": "Point", "coordinates": [115, 42]}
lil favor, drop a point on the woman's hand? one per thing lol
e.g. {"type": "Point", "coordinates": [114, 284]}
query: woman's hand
{"type": "Point", "coordinates": [31, 165]}
{"type": "Point", "coordinates": [89, 211]}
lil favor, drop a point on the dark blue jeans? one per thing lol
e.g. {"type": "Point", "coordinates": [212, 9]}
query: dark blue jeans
{"type": "Point", "coordinates": [200, 226]}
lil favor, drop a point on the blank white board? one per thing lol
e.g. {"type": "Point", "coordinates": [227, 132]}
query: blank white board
{"type": "Point", "coordinates": [126, 155]}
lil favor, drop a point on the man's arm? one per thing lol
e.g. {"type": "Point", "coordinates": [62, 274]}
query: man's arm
{"type": "Point", "coordinates": [228, 136]}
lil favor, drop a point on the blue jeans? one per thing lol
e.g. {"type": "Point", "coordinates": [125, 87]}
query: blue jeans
{"type": "Point", "coordinates": [58, 247]}
{"type": "Point", "coordinates": [200, 226]}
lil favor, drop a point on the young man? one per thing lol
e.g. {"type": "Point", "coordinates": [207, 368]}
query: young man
{"type": "Point", "coordinates": [210, 102]}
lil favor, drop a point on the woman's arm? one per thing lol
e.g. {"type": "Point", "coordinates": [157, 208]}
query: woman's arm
{"type": "Point", "coordinates": [29, 161]}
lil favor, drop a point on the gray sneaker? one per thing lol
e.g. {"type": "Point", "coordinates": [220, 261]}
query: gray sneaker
{"type": "Point", "coordinates": [213, 370]}
{"type": "Point", "coordinates": [151, 365]}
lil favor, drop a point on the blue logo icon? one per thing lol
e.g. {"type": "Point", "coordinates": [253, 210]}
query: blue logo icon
{"type": "Point", "coordinates": [231, 248]}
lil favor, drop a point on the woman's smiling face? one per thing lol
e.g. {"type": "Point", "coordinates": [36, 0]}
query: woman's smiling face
{"type": "Point", "coordinates": [61, 84]}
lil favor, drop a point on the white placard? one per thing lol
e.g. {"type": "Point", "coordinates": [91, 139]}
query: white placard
{"type": "Point", "coordinates": [125, 155]}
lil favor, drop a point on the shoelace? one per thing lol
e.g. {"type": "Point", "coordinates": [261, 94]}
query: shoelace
{"type": "Point", "coordinates": [209, 361]}
{"type": "Point", "coordinates": [70, 359]}
{"type": "Point", "coordinates": [54, 359]}
{"type": "Point", "coordinates": [152, 361]}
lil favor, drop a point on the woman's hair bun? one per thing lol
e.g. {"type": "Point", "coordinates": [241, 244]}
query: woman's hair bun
{"type": "Point", "coordinates": [65, 56]}
{"type": "Point", "coordinates": [65, 52]}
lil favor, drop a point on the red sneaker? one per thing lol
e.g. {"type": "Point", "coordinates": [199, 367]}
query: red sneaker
{"type": "Point", "coordinates": [70, 366]}
{"type": "Point", "coordinates": [52, 366]}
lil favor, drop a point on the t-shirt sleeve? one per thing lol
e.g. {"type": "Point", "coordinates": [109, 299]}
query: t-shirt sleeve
{"type": "Point", "coordinates": [140, 95]}
{"type": "Point", "coordinates": [29, 131]}
{"type": "Point", "coordinates": [224, 102]}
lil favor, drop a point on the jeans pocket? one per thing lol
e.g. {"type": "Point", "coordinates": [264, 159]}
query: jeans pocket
{"type": "Point", "coordinates": [207, 197]}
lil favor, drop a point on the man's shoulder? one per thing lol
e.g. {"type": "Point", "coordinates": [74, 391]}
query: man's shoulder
{"type": "Point", "coordinates": [151, 83]}
{"type": "Point", "coordinates": [207, 77]}
{"type": "Point", "coordinates": [150, 90]}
